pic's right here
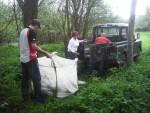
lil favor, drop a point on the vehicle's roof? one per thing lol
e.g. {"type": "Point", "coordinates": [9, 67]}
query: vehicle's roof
{"type": "Point", "coordinates": [112, 25]}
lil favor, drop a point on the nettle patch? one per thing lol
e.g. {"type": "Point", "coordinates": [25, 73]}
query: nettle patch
{"type": "Point", "coordinates": [126, 90]}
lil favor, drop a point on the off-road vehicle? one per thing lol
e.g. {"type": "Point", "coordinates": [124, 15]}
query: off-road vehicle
{"type": "Point", "coordinates": [104, 56]}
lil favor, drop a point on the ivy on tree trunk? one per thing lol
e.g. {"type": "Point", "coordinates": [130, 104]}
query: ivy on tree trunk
{"type": "Point", "coordinates": [131, 33]}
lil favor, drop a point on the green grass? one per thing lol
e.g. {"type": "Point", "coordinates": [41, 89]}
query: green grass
{"type": "Point", "coordinates": [146, 41]}
{"type": "Point", "coordinates": [126, 90]}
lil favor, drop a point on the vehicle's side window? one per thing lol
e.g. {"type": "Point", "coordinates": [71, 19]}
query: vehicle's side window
{"type": "Point", "coordinates": [95, 32]}
{"type": "Point", "coordinates": [124, 33]}
{"type": "Point", "coordinates": [113, 31]}
{"type": "Point", "coordinates": [99, 31]}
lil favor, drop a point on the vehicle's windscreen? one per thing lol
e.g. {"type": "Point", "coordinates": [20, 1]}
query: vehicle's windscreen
{"type": "Point", "coordinates": [109, 31]}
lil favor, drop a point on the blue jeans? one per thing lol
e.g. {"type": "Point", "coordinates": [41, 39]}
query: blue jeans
{"type": "Point", "coordinates": [72, 55]}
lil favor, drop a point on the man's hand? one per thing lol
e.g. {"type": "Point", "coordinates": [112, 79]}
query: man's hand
{"type": "Point", "coordinates": [48, 55]}
{"type": "Point", "coordinates": [77, 53]}
{"type": "Point", "coordinates": [85, 40]}
{"type": "Point", "coordinates": [34, 45]}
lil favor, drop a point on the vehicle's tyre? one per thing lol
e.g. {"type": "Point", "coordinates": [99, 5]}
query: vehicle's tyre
{"type": "Point", "coordinates": [125, 58]}
{"type": "Point", "coordinates": [136, 58]}
{"type": "Point", "coordinates": [102, 70]}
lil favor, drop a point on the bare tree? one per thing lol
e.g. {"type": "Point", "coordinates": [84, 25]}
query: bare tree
{"type": "Point", "coordinates": [16, 18]}
{"type": "Point", "coordinates": [90, 5]}
{"type": "Point", "coordinates": [80, 14]}
{"type": "Point", "coordinates": [130, 32]}
{"type": "Point", "coordinates": [29, 10]}
{"type": "Point", "coordinates": [76, 17]}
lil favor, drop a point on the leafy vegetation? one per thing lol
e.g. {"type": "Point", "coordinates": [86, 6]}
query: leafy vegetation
{"type": "Point", "coordinates": [52, 14]}
{"type": "Point", "coordinates": [143, 22]}
{"type": "Point", "coordinates": [126, 90]}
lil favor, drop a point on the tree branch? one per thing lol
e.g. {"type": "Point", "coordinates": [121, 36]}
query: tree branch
{"type": "Point", "coordinates": [20, 3]}
{"type": "Point", "coordinates": [40, 2]}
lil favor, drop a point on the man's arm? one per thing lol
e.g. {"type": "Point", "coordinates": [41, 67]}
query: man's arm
{"type": "Point", "coordinates": [108, 40]}
{"type": "Point", "coordinates": [33, 40]}
{"type": "Point", "coordinates": [36, 47]}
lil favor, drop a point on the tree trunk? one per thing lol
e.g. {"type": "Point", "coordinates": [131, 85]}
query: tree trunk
{"type": "Point", "coordinates": [131, 33]}
{"type": "Point", "coordinates": [29, 10]}
{"type": "Point", "coordinates": [85, 27]}
{"type": "Point", "coordinates": [16, 19]}
{"type": "Point", "coordinates": [67, 35]}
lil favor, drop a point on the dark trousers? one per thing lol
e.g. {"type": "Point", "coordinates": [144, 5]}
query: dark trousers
{"type": "Point", "coordinates": [30, 71]}
{"type": "Point", "coordinates": [72, 55]}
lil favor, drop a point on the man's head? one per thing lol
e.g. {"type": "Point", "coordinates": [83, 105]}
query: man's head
{"type": "Point", "coordinates": [103, 35]}
{"type": "Point", "coordinates": [35, 24]}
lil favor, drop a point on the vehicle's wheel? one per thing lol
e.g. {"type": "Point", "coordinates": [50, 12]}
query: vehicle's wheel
{"type": "Point", "coordinates": [136, 58]}
{"type": "Point", "coordinates": [102, 70]}
{"type": "Point", "coordinates": [125, 58]}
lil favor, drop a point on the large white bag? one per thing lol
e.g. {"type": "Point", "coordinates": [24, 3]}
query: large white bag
{"type": "Point", "coordinates": [61, 82]}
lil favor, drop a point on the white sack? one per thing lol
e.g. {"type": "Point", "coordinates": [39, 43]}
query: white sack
{"type": "Point", "coordinates": [66, 76]}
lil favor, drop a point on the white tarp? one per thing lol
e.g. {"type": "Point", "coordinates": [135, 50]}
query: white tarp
{"type": "Point", "coordinates": [66, 82]}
